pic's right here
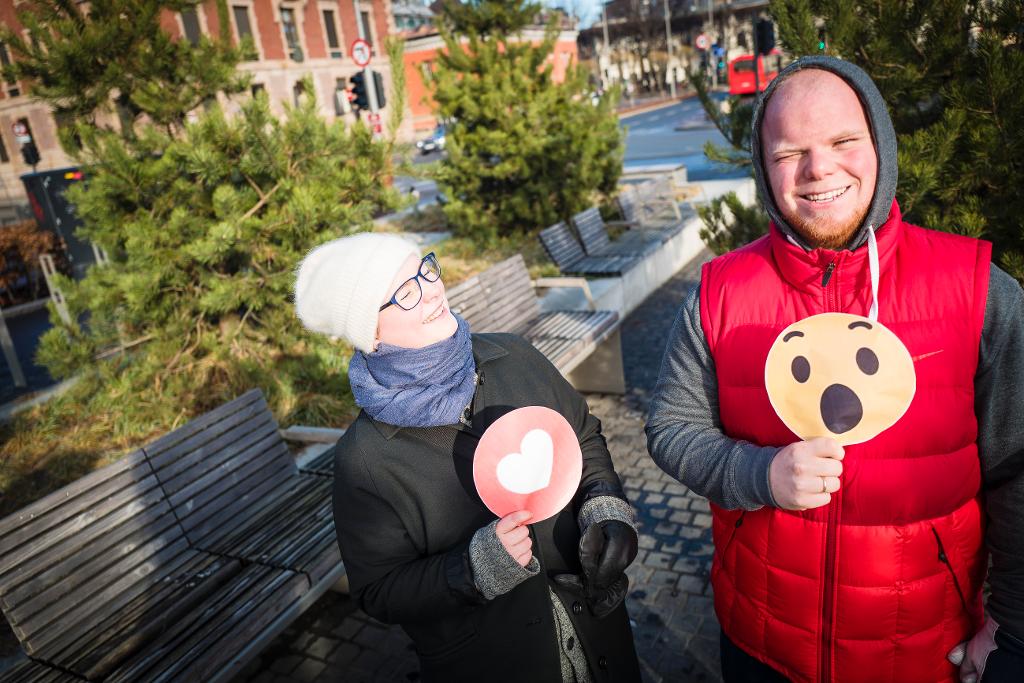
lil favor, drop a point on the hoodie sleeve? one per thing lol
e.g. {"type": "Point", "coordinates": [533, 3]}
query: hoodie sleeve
{"type": "Point", "coordinates": [684, 431]}
{"type": "Point", "coordinates": [999, 405]}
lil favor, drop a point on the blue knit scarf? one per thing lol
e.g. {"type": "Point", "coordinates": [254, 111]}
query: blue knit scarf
{"type": "Point", "coordinates": [425, 387]}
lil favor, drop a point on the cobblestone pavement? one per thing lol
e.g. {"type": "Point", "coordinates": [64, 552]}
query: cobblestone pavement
{"type": "Point", "coordinates": [669, 601]}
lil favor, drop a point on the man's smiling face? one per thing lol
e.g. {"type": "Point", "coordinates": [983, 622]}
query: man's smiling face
{"type": "Point", "coordinates": [819, 157]}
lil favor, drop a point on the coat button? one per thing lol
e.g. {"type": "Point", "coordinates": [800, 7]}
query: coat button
{"type": "Point", "coordinates": [577, 608]}
{"type": "Point", "coordinates": [602, 662]}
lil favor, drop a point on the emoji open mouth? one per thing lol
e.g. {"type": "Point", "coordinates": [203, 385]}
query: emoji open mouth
{"type": "Point", "coordinates": [841, 410]}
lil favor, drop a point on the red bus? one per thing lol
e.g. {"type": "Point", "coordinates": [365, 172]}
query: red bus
{"type": "Point", "coordinates": [741, 72]}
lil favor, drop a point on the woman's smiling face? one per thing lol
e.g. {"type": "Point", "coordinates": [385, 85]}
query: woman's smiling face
{"type": "Point", "coordinates": [428, 322]}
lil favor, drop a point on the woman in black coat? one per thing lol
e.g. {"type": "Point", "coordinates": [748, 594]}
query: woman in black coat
{"type": "Point", "coordinates": [483, 599]}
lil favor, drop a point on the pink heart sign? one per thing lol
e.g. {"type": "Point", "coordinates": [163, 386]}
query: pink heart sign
{"type": "Point", "coordinates": [528, 459]}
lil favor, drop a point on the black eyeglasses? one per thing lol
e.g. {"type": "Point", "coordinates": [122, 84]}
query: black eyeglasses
{"type": "Point", "coordinates": [409, 294]}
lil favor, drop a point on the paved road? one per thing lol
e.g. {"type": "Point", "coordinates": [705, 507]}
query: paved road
{"type": "Point", "coordinates": [676, 134]}
{"type": "Point", "coordinates": [669, 602]}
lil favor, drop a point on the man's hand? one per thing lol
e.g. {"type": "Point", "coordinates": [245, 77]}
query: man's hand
{"type": "Point", "coordinates": [515, 536]}
{"type": "Point", "coordinates": [606, 549]}
{"type": "Point", "coordinates": [972, 655]}
{"type": "Point", "coordinates": [805, 474]}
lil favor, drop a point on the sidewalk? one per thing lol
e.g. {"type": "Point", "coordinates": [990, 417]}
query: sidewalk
{"type": "Point", "coordinates": [669, 601]}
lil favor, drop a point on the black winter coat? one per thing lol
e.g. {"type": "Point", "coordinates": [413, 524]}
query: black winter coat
{"type": "Point", "coordinates": [405, 510]}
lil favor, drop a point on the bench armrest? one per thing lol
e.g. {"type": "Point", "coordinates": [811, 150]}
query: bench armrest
{"type": "Point", "coordinates": [304, 434]}
{"type": "Point", "coordinates": [580, 282]}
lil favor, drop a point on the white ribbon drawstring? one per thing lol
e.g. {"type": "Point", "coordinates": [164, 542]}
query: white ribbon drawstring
{"type": "Point", "coordinates": [873, 266]}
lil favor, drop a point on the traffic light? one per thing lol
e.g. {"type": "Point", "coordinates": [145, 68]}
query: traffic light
{"type": "Point", "coordinates": [378, 86]}
{"type": "Point", "coordinates": [359, 91]}
{"type": "Point", "coordinates": [821, 39]}
{"type": "Point", "coordinates": [765, 30]}
{"type": "Point", "coordinates": [30, 153]}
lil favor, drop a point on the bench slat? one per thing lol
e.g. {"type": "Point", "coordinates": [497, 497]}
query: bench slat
{"type": "Point", "coordinates": [170, 440]}
{"type": "Point", "coordinates": [28, 671]}
{"type": "Point", "coordinates": [197, 647]}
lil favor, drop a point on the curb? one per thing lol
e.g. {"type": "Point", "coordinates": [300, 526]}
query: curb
{"type": "Point", "coordinates": [654, 106]}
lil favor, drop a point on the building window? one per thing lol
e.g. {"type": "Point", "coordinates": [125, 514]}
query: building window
{"type": "Point", "coordinates": [333, 44]}
{"type": "Point", "coordinates": [291, 34]}
{"type": "Point", "coordinates": [5, 60]}
{"type": "Point", "coordinates": [3, 151]}
{"type": "Point", "coordinates": [190, 25]}
{"type": "Point", "coordinates": [364, 17]}
{"type": "Point", "coordinates": [242, 26]}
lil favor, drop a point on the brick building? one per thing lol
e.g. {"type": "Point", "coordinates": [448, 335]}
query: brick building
{"type": "Point", "coordinates": [293, 38]}
{"type": "Point", "coordinates": [421, 53]}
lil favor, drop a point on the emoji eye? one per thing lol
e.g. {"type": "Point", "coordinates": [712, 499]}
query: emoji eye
{"type": "Point", "coordinates": [801, 369]}
{"type": "Point", "coordinates": [867, 361]}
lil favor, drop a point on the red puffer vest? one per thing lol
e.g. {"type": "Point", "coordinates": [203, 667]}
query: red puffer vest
{"type": "Point", "coordinates": [882, 582]}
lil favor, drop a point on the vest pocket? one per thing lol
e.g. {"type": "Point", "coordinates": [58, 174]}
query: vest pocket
{"type": "Point", "coordinates": [944, 559]}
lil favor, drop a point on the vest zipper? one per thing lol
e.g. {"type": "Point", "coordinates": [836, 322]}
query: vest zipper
{"type": "Point", "coordinates": [735, 527]}
{"type": "Point", "coordinates": [828, 274]}
{"type": "Point", "coordinates": [944, 559]}
{"type": "Point", "coordinates": [832, 525]}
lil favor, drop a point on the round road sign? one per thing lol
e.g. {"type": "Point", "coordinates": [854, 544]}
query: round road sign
{"type": "Point", "coordinates": [360, 52]}
{"type": "Point", "coordinates": [702, 42]}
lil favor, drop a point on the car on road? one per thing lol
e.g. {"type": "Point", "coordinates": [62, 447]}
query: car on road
{"type": "Point", "coordinates": [434, 142]}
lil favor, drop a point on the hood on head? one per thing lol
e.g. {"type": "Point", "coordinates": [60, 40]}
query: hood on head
{"type": "Point", "coordinates": [882, 132]}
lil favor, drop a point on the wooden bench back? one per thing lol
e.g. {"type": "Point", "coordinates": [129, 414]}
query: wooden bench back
{"type": "Point", "coordinates": [592, 231]}
{"type": "Point", "coordinates": [499, 299]}
{"type": "Point", "coordinates": [469, 300]}
{"type": "Point", "coordinates": [629, 204]}
{"type": "Point", "coordinates": [222, 463]}
{"type": "Point", "coordinates": [72, 560]}
{"type": "Point", "coordinates": [561, 246]}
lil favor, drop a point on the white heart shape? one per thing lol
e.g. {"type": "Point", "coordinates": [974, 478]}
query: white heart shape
{"type": "Point", "coordinates": [528, 470]}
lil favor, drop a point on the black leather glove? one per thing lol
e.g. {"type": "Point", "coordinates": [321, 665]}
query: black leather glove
{"type": "Point", "coordinates": [606, 549]}
{"type": "Point", "coordinates": [601, 603]}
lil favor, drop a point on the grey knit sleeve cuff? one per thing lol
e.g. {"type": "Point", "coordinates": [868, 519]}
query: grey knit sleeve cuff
{"type": "Point", "coordinates": [603, 509]}
{"type": "Point", "coordinates": [495, 572]}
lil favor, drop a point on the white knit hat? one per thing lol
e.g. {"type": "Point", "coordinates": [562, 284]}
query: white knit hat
{"type": "Point", "coordinates": [341, 285]}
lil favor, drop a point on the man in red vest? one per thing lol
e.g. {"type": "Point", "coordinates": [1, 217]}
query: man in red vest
{"type": "Point", "coordinates": [861, 562]}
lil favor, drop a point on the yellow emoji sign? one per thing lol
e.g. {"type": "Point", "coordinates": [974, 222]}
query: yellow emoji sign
{"type": "Point", "coordinates": [841, 376]}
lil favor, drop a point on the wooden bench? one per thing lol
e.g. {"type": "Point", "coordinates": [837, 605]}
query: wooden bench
{"type": "Point", "coordinates": [563, 248]}
{"type": "Point", "coordinates": [651, 206]}
{"type": "Point", "coordinates": [178, 562]}
{"type": "Point", "coordinates": [594, 237]}
{"type": "Point", "coordinates": [584, 345]}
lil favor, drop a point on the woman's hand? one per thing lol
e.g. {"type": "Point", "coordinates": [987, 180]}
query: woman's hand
{"type": "Point", "coordinates": [515, 536]}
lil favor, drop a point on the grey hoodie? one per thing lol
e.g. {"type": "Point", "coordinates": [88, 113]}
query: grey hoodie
{"type": "Point", "coordinates": [684, 430]}
{"type": "Point", "coordinates": [882, 134]}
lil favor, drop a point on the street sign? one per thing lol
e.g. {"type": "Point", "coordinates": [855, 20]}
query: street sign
{"type": "Point", "coordinates": [21, 133]}
{"type": "Point", "coordinates": [702, 42]}
{"type": "Point", "coordinates": [360, 52]}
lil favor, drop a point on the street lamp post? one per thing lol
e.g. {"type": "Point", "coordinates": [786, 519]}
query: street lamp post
{"type": "Point", "coordinates": [668, 45]}
{"type": "Point", "coordinates": [711, 54]}
{"type": "Point", "coordinates": [607, 45]}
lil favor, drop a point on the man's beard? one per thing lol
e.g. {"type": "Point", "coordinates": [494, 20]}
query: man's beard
{"type": "Point", "coordinates": [827, 233]}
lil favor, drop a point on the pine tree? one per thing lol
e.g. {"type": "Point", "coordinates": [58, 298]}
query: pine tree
{"type": "Point", "coordinates": [204, 218]}
{"type": "Point", "coordinates": [523, 151]}
{"type": "Point", "coordinates": [950, 72]}
{"type": "Point", "coordinates": [113, 56]}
